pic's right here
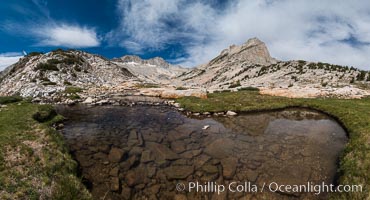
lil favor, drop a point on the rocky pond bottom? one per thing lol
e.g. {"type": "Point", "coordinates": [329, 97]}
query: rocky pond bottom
{"type": "Point", "coordinates": [148, 152]}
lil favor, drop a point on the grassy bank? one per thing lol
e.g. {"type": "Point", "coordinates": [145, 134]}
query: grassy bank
{"type": "Point", "coordinates": [34, 163]}
{"type": "Point", "coordinates": [353, 114]}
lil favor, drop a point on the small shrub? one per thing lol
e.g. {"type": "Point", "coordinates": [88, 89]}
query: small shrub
{"type": "Point", "coordinates": [45, 79]}
{"type": "Point", "coordinates": [77, 68]}
{"type": "Point", "coordinates": [10, 99]}
{"type": "Point", "coordinates": [249, 89]}
{"type": "Point", "coordinates": [74, 97]}
{"type": "Point", "coordinates": [321, 65]}
{"type": "Point", "coordinates": [72, 90]}
{"type": "Point", "coordinates": [44, 113]}
{"type": "Point", "coordinates": [59, 50]}
{"type": "Point", "coordinates": [34, 54]}
{"type": "Point", "coordinates": [222, 91]}
{"type": "Point", "coordinates": [200, 73]}
{"type": "Point", "coordinates": [235, 84]}
{"type": "Point", "coordinates": [181, 88]}
{"type": "Point", "coordinates": [361, 76]}
{"type": "Point", "coordinates": [47, 67]}
{"type": "Point", "coordinates": [72, 59]}
{"type": "Point", "coordinates": [301, 62]}
{"type": "Point", "coordinates": [312, 66]}
{"type": "Point", "coordinates": [67, 83]}
{"type": "Point", "coordinates": [54, 61]}
{"type": "Point", "coordinates": [147, 85]}
{"type": "Point", "coordinates": [49, 83]}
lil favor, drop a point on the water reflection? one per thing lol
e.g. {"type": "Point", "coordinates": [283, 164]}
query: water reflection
{"type": "Point", "coordinates": [143, 152]}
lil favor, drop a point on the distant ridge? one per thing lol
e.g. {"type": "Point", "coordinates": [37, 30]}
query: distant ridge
{"type": "Point", "coordinates": [249, 65]}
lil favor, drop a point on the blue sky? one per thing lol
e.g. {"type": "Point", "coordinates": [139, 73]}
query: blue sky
{"type": "Point", "coordinates": [188, 32]}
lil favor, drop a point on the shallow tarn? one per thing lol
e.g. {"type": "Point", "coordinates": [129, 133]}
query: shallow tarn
{"type": "Point", "coordinates": [152, 152]}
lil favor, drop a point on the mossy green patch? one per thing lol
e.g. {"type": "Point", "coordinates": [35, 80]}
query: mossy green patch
{"type": "Point", "coordinates": [44, 113]}
{"type": "Point", "coordinates": [72, 90]}
{"type": "Point", "coordinates": [10, 99]}
{"type": "Point", "coordinates": [147, 85]}
{"type": "Point", "coordinates": [34, 161]}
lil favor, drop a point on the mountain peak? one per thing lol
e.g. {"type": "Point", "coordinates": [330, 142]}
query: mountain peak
{"type": "Point", "coordinates": [254, 51]}
{"type": "Point", "coordinates": [129, 58]}
{"type": "Point", "coordinates": [157, 61]}
{"type": "Point", "coordinates": [253, 42]}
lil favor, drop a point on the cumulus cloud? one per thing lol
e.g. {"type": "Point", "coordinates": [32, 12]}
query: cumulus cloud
{"type": "Point", "coordinates": [67, 36]}
{"type": "Point", "coordinates": [336, 32]}
{"type": "Point", "coordinates": [9, 58]}
{"type": "Point", "coordinates": [53, 33]}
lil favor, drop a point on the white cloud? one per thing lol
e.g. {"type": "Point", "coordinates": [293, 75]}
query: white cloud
{"type": "Point", "coordinates": [67, 36]}
{"type": "Point", "coordinates": [153, 24]}
{"type": "Point", "coordinates": [53, 33]}
{"type": "Point", "coordinates": [311, 30]}
{"type": "Point", "coordinates": [9, 58]}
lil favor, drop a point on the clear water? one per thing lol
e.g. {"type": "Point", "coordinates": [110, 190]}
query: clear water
{"type": "Point", "coordinates": [143, 152]}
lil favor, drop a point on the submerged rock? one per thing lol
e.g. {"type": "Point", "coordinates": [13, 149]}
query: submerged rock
{"type": "Point", "coordinates": [136, 177]}
{"type": "Point", "coordinates": [220, 148]}
{"type": "Point", "coordinates": [146, 156]}
{"type": "Point", "coordinates": [210, 169]}
{"type": "Point", "coordinates": [229, 167]}
{"type": "Point", "coordinates": [114, 184]}
{"type": "Point", "coordinates": [162, 152]}
{"type": "Point", "coordinates": [116, 155]}
{"type": "Point", "coordinates": [178, 172]}
{"type": "Point", "coordinates": [178, 146]}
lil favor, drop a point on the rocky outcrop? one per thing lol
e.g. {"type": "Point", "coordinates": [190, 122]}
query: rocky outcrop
{"type": "Point", "coordinates": [48, 75]}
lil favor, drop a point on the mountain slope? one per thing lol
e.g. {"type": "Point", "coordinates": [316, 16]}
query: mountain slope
{"type": "Point", "coordinates": [251, 65]}
{"type": "Point", "coordinates": [154, 70]}
{"type": "Point", "coordinates": [47, 74]}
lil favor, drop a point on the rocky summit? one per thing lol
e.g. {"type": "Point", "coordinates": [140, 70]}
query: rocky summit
{"type": "Point", "coordinates": [71, 76]}
{"type": "Point", "coordinates": [250, 65]}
